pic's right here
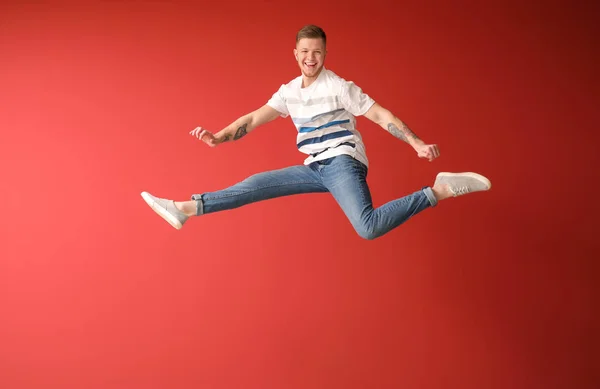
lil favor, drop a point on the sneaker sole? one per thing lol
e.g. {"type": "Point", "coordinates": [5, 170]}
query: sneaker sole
{"type": "Point", "coordinates": [162, 212]}
{"type": "Point", "coordinates": [476, 176]}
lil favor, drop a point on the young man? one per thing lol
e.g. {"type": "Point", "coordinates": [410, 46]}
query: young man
{"type": "Point", "coordinates": [323, 107]}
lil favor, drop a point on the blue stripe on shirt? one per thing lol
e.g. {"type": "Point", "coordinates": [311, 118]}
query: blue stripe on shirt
{"type": "Point", "coordinates": [324, 138]}
{"type": "Point", "coordinates": [334, 123]}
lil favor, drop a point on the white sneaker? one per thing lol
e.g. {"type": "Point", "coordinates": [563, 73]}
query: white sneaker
{"type": "Point", "coordinates": [462, 183]}
{"type": "Point", "coordinates": [166, 209]}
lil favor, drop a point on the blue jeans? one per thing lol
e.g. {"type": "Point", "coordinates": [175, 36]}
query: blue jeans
{"type": "Point", "coordinates": [343, 176]}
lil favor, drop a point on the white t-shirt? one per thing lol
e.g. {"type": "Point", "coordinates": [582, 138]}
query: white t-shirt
{"type": "Point", "coordinates": [324, 115]}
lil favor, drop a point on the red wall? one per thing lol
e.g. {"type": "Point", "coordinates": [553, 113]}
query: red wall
{"type": "Point", "coordinates": [487, 291]}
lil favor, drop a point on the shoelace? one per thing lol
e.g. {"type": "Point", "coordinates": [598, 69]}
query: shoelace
{"type": "Point", "coordinates": [460, 190]}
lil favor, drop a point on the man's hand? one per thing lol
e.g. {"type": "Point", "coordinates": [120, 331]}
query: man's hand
{"type": "Point", "coordinates": [208, 137]}
{"type": "Point", "coordinates": [429, 152]}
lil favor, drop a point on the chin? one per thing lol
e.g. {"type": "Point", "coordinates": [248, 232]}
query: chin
{"type": "Point", "coordinates": [310, 73]}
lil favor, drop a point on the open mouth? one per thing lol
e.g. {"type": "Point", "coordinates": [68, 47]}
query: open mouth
{"type": "Point", "coordinates": [310, 65]}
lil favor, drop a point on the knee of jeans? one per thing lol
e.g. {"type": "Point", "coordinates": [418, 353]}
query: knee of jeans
{"type": "Point", "coordinates": [366, 230]}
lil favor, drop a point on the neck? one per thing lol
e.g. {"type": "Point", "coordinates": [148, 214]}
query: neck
{"type": "Point", "coordinates": [307, 81]}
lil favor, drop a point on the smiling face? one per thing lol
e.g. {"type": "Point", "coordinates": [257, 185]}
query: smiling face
{"type": "Point", "coordinates": [310, 55]}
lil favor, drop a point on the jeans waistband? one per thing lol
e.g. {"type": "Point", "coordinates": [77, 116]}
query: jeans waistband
{"type": "Point", "coordinates": [341, 144]}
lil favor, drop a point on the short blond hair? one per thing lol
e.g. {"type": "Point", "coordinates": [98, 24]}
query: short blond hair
{"type": "Point", "coordinates": [311, 31]}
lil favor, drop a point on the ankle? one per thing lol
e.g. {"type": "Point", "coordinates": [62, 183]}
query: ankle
{"type": "Point", "coordinates": [441, 192]}
{"type": "Point", "coordinates": [187, 207]}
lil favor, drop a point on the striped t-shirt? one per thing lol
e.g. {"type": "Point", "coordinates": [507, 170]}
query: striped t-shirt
{"type": "Point", "coordinates": [324, 115]}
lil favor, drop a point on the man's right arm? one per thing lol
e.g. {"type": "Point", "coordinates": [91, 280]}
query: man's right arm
{"type": "Point", "coordinates": [247, 123]}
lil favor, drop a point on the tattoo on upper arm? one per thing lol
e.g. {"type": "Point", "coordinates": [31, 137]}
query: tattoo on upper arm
{"type": "Point", "coordinates": [403, 134]}
{"type": "Point", "coordinates": [241, 131]}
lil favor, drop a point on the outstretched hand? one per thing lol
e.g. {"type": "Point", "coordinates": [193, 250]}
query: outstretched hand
{"type": "Point", "coordinates": [206, 136]}
{"type": "Point", "coordinates": [429, 152]}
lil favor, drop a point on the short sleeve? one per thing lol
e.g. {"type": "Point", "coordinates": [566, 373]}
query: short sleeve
{"type": "Point", "coordinates": [354, 100]}
{"type": "Point", "coordinates": [277, 102]}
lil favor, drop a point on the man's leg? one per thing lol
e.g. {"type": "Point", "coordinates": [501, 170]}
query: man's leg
{"type": "Point", "coordinates": [262, 186]}
{"type": "Point", "coordinates": [345, 178]}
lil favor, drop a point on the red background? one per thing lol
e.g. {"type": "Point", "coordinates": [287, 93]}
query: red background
{"type": "Point", "coordinates": [490, 290]}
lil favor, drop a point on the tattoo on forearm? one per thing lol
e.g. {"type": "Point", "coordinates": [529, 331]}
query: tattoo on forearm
{"type": "Point", "coordinates": [403, 134]}
{"type": "Point", "coordinates": [241, 131]}
{"type": "Point", "coordinates": [396, 132]}
{"type": "Point", "coordinates": [227, 138]}
{"type": "Point", "coordinates": [408, 132]}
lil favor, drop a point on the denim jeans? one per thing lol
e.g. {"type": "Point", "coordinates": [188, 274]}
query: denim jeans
{"type": "Point", "coordinates": [343, 176]}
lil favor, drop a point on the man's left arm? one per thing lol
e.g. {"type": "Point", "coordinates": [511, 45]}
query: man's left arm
{"type": "Point", "coordinates": [389, 122]}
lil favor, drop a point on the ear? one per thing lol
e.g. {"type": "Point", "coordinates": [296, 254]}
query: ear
{"type": "Point", "coordinates": [296, 54]}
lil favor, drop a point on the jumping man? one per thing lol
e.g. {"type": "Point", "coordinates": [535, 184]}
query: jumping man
{"type": "Point", "coordinates": [323, 107]}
